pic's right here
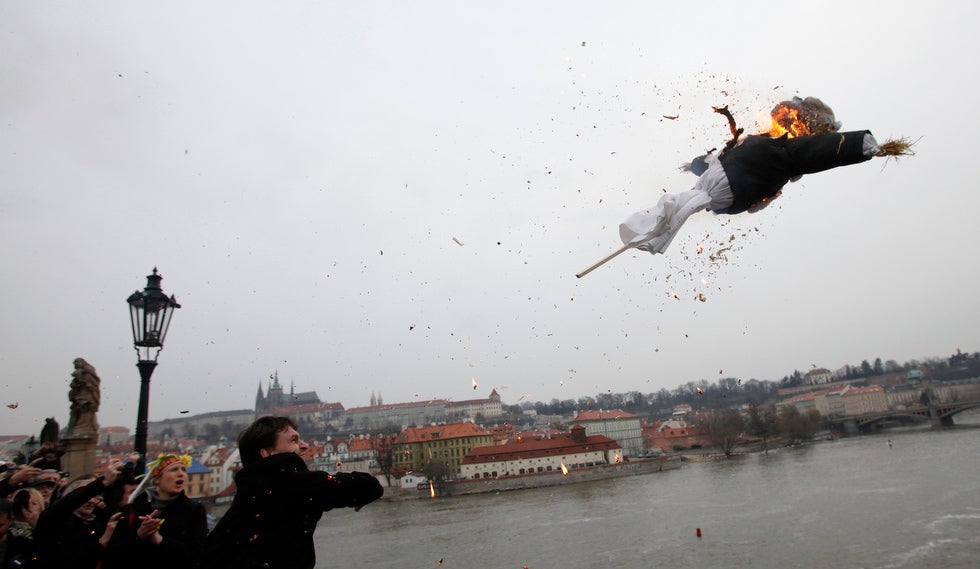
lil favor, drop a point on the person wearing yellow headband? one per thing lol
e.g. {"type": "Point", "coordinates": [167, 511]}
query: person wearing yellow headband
{"type": "Point", "coordinates": [140, 532]}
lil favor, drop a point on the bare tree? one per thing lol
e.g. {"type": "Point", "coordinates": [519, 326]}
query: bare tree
{"type": "Point", "coordinates": [383, 446]}
{"type": "Point", "coordinates": [725, 427]}
{"type": "Point", "coordinates": [761, 423]}
{"type": "Point", "coordinates": [437, 472]}
{"type": "Point", "coordinates": [796, 426]}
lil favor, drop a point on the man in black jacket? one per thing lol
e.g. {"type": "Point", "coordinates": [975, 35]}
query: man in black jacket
{"type": "Point", "coordinates": [279, 501]}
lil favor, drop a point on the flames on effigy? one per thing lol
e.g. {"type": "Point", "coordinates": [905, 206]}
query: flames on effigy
{"type": "Point", "coordinates": [802, 117]}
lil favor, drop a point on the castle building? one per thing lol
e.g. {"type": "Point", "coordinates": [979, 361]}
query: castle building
{"type": "Point", "coordinates": [486, 408]}
{"type": "Point", "coordinates": [275, 399]}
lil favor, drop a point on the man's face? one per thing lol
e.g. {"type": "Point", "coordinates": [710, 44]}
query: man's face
{"type": "Point", "coordinates": [47, 490]}
{"type": "Point", "coordinates": [287, 441]}
{"type": "Point", "coordinates": [88, 508]}
{"type": "Point", "coordinates": [127, 491]}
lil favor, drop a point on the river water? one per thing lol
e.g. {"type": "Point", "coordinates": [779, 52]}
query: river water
{"type": "Point", "coordinates": [854, 503]}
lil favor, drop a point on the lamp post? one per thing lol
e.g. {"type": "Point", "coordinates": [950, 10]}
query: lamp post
{"type": "Point", "coordinates": [150, 312]}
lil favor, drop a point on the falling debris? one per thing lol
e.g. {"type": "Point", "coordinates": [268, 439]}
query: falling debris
{"type": "Point", "coordinates": [474, 382]}
{"type": "Point", "coordinates": [458, 242]}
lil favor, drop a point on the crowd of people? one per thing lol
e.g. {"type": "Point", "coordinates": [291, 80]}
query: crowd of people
{"type": "Point", "coordinates": [118, 519]}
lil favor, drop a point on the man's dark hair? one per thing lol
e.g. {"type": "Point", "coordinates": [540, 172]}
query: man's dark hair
{"type": "Point", "coordinates": [261, 435]}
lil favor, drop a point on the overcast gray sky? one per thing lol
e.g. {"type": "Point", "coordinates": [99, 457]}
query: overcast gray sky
{"type": "Point", "coordinates": [298, 173]}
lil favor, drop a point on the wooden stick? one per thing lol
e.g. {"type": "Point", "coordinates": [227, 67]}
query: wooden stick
{"type": "Point", "coordinates": [604, 261]}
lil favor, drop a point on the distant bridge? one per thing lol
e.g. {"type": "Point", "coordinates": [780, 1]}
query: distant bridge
{"type": "Point", "coordinates": [939, 414]}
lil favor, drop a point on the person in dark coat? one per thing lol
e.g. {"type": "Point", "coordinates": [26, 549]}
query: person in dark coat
{"type": "Point", "coordinates": [15, 551]}
{"type": "Point", "coordinates": [140, 537]}
{"type": "Point", "coordinates": [279, 501]}
{"type": "Point", "coordinates": [68, 531]}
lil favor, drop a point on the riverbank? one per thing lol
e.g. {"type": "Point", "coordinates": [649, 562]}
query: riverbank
{"type": "Point", "coordinates": [464, 487]}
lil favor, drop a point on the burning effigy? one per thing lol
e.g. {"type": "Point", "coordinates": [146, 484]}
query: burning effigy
{"type": "Point", "coordinates": [751, 171]}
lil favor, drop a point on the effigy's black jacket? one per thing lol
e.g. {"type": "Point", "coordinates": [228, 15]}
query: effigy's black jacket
{"type": "Point", "coordinates": [761, 165]}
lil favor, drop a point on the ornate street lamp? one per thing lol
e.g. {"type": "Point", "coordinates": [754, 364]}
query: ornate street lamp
{"type": "Point", "coordinates": [150, 312]}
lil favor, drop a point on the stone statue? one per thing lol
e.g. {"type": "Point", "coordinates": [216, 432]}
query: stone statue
{"type": "Point", "coordinates": [85, 397]}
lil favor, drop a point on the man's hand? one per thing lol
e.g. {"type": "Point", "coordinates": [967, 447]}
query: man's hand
{"type": "Point", "coordinates": [109, 528]}
{"type": "Point", "coordinates": [24, 474]}
{"type": "Point", "coordinates": [109, 476]}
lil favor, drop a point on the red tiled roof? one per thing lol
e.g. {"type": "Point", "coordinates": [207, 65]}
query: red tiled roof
{"type": "Point", "coordinates": [220, 455]}
{"type": "Point", "coordinates": [863, 390]}
{"type": "Point", "coordinates": [360, 444]}
{"type": "Point", "coordinates": [469, 402]}
{"type": "Point", "coordinates": [441, 432]}
{"type": "Point", "coordinates": [603, 415]}
{"type": "Point", "coordinates": [562, 444]}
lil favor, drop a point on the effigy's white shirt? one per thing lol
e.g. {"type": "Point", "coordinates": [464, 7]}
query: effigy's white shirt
{"type": "Point", "coordinates": [653, 229]}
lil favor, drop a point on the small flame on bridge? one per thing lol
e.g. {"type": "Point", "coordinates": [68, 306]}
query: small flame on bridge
{"type": "Point", "coordinates": [564, 469]}
{"type": "Point", "coordinates": [432, 490]}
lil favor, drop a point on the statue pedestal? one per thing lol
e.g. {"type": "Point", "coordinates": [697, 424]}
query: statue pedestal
{"type": "Point", "coordinates": [79, 457]}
